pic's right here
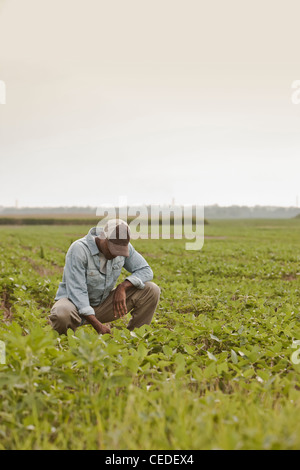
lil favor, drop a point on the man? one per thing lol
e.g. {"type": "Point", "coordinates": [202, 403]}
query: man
{"type": "Point", "coordinates": [93, 265]}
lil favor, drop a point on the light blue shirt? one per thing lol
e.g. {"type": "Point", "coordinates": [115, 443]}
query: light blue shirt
{"type": "Point", "coordinates": [85, 285]}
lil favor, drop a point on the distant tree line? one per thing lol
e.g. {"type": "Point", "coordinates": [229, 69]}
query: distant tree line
{"type": "Point", "coordinates": [255, 212]}
{"type": "Point", "coordinates": [211, 212]}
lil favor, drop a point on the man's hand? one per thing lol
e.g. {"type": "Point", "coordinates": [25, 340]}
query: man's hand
{"type": "Point", "coordinates": [99, 327]}
{"type": "Point", "coordinates": [119, 299]}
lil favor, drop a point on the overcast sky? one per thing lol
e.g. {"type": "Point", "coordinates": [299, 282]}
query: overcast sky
{"type": "Point", "coordinates": [153, 100]}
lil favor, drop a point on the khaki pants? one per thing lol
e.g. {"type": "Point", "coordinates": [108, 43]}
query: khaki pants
{"type": "Point", "coordinates": [141, 303]}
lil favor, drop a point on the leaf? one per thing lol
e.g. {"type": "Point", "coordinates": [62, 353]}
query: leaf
{"type": "Point", "coordinates": [211, 356]}
{"type": "Point", "coordinates": [167, 350]}
{"type": "Point", "coordinates": [234, 357]}
{"type": "Point", "coordinates": [163, 364]}
{"type": "Point", "coordinates": [118, 381]}
{"type": "Point", "coordinates": [210, 370]}
{"type": "Point", "coordinates": [188, 349]}
{"type": "Point", "coordinates": [180, 361]}
{"type": "Point", "coordinates": [264, 375]}
{"type": "Point", "coordinates": [131, 363]}
{"type": "Point", "coordinates": [132, 333]}
{"type": "Point", "coordinates": [152, 358]}
{"type": "Point", "coordinates": [215, 338]}
{"type": "Point", "coordinates": [248, 373]}
{"type": "Point", "coordinates": [277, 347]}
{"type": "Point", "coordinates": [72, 339]}
{"type": "Point", "coordinates": [223, 367]}
{"type": "Point", "coordinates": [142, 351]}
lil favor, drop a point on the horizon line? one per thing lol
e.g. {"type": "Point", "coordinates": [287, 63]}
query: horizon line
{"type": "Point", "coordinates": [16, 208]}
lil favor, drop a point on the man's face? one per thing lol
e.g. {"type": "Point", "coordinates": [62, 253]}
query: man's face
{"type": "Point", "coordinates": [105, 250]}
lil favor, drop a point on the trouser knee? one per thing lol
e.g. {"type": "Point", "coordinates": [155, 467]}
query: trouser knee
{"type": "Point", "coordinates": [152, 290]}
{"type": "Point", "coordinates": [145, 303]}
{"type": "Point", "coordinates": [63, 316]}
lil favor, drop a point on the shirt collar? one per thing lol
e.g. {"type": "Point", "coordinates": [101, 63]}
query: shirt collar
{"type": "Point", "coordinates": [90, 239]}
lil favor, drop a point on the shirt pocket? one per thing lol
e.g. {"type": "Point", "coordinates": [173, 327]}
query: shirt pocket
{"type": "Point", "coordinates": [116, 269]}
{"type": "Point", "coordinates": [95, 284]}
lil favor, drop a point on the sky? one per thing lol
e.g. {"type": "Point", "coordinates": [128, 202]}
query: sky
{"type": "Point", "coordinates": [155, 101]}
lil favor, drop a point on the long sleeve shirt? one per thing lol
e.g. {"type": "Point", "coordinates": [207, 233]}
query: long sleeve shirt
{"type": "Point", "coordinates": [86, 285]}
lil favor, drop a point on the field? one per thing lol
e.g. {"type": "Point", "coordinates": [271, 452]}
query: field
{"type": "Point", "coordinates": [217, 369]}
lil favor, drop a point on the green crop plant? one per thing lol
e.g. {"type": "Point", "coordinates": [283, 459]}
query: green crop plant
{"type": "Point", "coordinates": [217, 368]}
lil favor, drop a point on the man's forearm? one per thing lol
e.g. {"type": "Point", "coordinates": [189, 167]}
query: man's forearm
{"type": "Point", "coordinates": [97, 325]}
{"type": "Point", "coordinates": [119, 299]}
{"type": "Point", "coordinates": [126, 284]}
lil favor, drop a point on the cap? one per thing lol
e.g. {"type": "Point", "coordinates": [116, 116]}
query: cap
{"type": "Point", "coordinates": [117, 233]}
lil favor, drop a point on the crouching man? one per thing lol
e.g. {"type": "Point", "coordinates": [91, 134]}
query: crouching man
{"type": "Point", "coordinates": [93, 265]}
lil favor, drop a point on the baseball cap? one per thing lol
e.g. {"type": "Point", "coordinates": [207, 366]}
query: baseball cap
{"type": "Point", "coordinates": [117, 233]}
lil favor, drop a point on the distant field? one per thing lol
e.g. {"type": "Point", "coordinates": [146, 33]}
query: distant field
{"type": "Point", "coordinates": [53, 219]}
{"type": "Point", "coordinates": [80, 219]}
{"type": "Point", "coordinates": [59, 215]}
{"type": "Point", "coordinates": [217, 369]}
